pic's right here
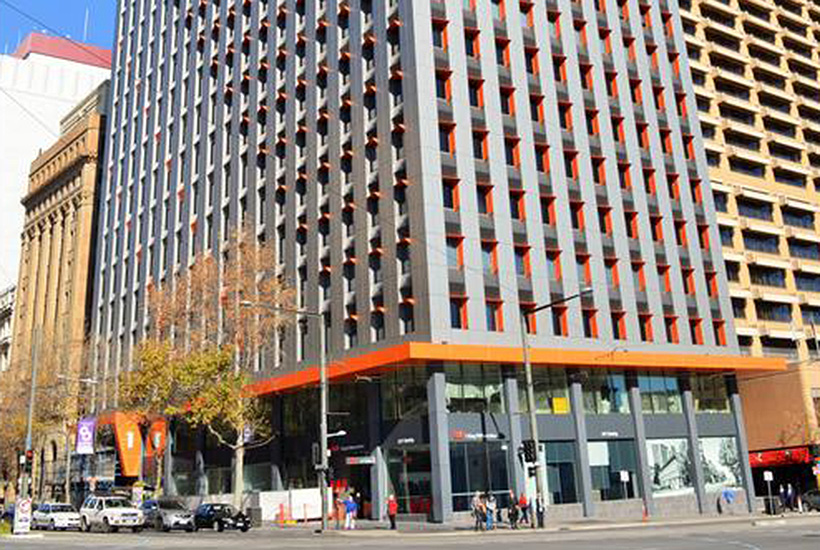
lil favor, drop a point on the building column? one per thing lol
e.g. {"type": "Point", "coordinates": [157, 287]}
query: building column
{"type": "Point", "coordinates": [168, 459]}
{"type": "Point", "coordinates": [576, 399]}
{"type": "Point", "coordinates": [742, 442]}
{"type": "Point", "coordinates": [442, 492]}
{"type": "Point", "coordinates": [514, 437]}
{"type": "Point", "coordinates": [644, 475]}
{"type": "Point", "coordinates": [378, 471]}
{"type": "Point", "coordinates": [278, 441]}
{"type": "Point", "coordinates": [694, 442]}
{"type": "Point", "coordinates": [199, 464]}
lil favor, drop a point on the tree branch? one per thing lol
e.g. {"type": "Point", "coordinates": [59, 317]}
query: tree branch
{"type": "Point", "coordinates": [221, 439]}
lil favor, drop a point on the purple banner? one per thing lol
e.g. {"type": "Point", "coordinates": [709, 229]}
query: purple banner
{"type": "Point", "coordinates": [85, 436]}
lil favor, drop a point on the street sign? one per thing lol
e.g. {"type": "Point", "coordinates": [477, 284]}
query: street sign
{"type": "Point", "coordinates": [768, 476]}
{"type": "Point", "coordinates": [624, 476]}
{"type": "Point", "coordinates": [360, 460]}
{"type": "Point", "coordinates": [22, 517]}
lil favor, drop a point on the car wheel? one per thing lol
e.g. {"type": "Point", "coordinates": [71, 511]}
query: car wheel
{"type": "Point", "coordinates": [190, 529]}
{"type": "Point", "coordinates": [108, 527]}
{"type": "Point", "coordinates": [136, 529]}
{"type": "Point", "coordinates": [52, 526]}
{"type": "Point", "coordinates": [219, 526]}
{"type": "Point", "coordinates": [244, 528]}
{"type": "Point", "coordinates": [84, 526]}
{"type": "Point", "coordinates": [158, 524]}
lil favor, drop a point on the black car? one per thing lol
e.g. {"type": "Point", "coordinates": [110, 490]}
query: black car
{"type": "Point", "coordinates": [811, 500]}
{"type": "Point", "coordinates": [220, 517]}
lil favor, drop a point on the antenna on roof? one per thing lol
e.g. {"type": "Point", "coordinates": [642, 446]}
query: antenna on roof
{"type": "Point", "coordinates": [85, 26]}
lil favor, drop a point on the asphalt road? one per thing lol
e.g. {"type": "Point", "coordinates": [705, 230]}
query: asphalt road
{"type": "Point", "coordinates": [796, 534]}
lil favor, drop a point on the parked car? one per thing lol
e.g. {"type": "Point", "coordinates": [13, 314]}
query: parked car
{"type": "Point", "coordinates": [220, 517]}
{"type": "Point", "coordinates": [811, 500]}
{"type": "Point", "coordinates": [110, 513]}
{"type": "Point", "coordinates": [54, 515]}
{"type": "Point", "coordinates": [167, 514]}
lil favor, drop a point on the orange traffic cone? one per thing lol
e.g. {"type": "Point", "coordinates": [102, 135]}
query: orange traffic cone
{"type": "Point", "coordinates": [645, 517]}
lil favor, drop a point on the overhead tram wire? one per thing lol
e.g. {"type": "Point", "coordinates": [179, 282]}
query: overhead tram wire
{"type": "Point", "coordinates": [28, 112]}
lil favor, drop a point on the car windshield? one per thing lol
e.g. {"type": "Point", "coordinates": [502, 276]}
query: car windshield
{"type": "Point", "coordinates": [224, 508]}
{"type": "Point", "coordinates": [117, 503]}
{"type": "Point", "coordinates": [62, 508]}
{"type": "Point", "coordinates": [172, 505]}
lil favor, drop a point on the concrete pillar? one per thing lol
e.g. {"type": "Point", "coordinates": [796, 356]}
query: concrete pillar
{"type": "Point", "coordinates": [576, 399]}
{"type": "Point", "coordinates": [378, 471]}
{"type": "Point", "coordinates": [514, 437]}
{"type": "Point", "coordinates": [742, 442]}
{"type": "Point", "coordinates": [694, 442]}
{"type": "Point", "coordinates": [201, 478]}
{"type": "Point", "coordinates": [170, 487]}
{"type": "Point", "coordinates": [277, 424]}
{"type": "Point", "coordinates": [644, 474]}
{"type": "Point", "coordinates": [442, 493]}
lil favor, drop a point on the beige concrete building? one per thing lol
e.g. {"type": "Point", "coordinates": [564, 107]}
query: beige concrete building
{"type": "Point", "coordinates": [55, 276]}
{"type": "Point", "coordinates": [755, 66]}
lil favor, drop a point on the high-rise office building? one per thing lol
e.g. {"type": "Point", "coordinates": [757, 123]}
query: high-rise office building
{"type": "Point", "coordinates": [430, 172]}
{"type": "Point", "coordinates": [754, 67]}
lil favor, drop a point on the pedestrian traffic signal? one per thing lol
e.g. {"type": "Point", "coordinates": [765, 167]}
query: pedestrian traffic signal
{"type": "Point", "coordinates": [530, 453]}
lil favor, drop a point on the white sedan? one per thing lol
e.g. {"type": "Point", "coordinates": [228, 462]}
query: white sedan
{"type": "Point", "coordinates": [55, 516]}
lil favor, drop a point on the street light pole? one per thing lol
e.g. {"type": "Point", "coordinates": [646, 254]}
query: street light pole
{"type": "Point", "coordinates": [35, 352]}
{"type": "Point", "coordinates": [323, 406]}
{"type": "Point", "coordinates": [540, 481]}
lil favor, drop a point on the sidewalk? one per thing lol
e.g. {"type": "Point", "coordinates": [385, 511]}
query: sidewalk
{"type": "Point", "coordinates": [461, 526]}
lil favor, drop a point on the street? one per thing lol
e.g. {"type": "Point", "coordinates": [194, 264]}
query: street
{"type": "Point", "coordinates": [792, 534]}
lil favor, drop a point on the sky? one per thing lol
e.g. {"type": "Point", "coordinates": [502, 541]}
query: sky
{"type": "Point", "coordinates": [65, 17]}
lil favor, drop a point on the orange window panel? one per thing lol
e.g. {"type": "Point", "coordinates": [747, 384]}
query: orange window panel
{"type": "Point", "coordinates": [611, 266]}
{"type": "Point", "coordinates": [643, 134]}
{"type": "Point", "coordinates": [565, 115]}
{"type": "Point", "coordinates": [531, 58]}
{"type": "Point", "coordinates": [599, 170]}
{"type": "Point", "coordinates": [554, 261]}
{"type": "Point", "coordinates": [666, 141]}
{"type": "Point", "coordinates": [559, 68]}
{"type": "Point", "coordinates": [689, 146]}
{"type": "Point", "coordinates": [680, 233]}
{"type": "Point", "coordinates": [440, 33]}
{"type": "Point", "coordinates": [581, 32]}
{"type": "Point", "coordinates": [542, 158]}
{"type": "Point", "coordinates": [631, 219]}
{"type": "Point", "coordinates": [606, 39]}
{"type": "Point", "coordinates": [638, 269]}
{"type": "Point", "coordinates": [554, 19]}
{"type": "Point", "coordinates": [711, 283]}
{"type": "Point", "coordinates": [689, 280]}
{"type": "Point", "coordinates": [696, 328]}
{"type": "Point", "coordinates": [548, 210]}
{"type": "Point", "coordinates": [624, 176]}
{"type": "Point", "coordinates": [720, 332]}
{"type": "Point", "coordinates": [629, 46]}
{"type": "Point", "coordinates": [472, 43]}
{"type": "Point", "coordinates": [577, 214]}
{"type": "Point", "coordinates": [680, 100]}
{"type": "Point", "coordinates": [673, 184]}
{"type": "Point", "coordinates": [645, 321]}
{"type": "Point", "coordinates": [560, 321]}
{"type": "Point", "coordinates": [635, 88]}
{"type": "Point", "coordinates": [612, 84]}
{"type": "Point", "coordinates": [703, 236]}
{"type": "Point", "coordinates": [657, 228]}
{"type": "Point", "coordinates": [660, 102]}
{"type": "Point", "coordinates": [584, 268]}
{"type": "Point", "coordinates": [649, 181]}
{"type": "Point", "coordinates": [619, 325]}
{"type": "Point", "coordinates": [697, 192]}
{"type": "Point", "coordinates": [529, 317]}
{"type": "Point", "coordinates": [586, 77]}
{"type": "Point", "coordinates": [671, 329]}
{"type": "Point", "coordinates": [571, 164]}
{"type": "Point", "coordinates": [593, 128]}
{"type": "Point", "coordinates": [537, 108]}
{"type": "Point", "coordinates": [605, 219]}
{"type": "Point", "coordinates": [590, 323]}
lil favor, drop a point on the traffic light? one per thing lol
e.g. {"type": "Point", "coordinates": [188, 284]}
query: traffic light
{"type": "Point", "coordinates": [29, 460]}
{"type": "Point", "coordinates": [530, 453]}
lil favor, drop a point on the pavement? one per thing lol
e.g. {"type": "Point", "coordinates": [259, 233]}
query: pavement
{"type": "Point", "coordinates": [732, 533]}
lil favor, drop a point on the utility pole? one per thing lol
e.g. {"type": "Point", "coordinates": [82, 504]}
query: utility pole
{"type": "Point", "coordinates": [540, 475]}
{"type": "Point", "coordinates": [35, 352]}
{"type": "Point", "coordinates": [323, 466]}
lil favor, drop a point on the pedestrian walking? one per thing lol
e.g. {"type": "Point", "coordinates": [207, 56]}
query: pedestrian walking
{"type": "Point", "coordinates": [339, 509]}
{"type": "Point", "coordinates": [524, 508]}
{"type": "Point", "coordinates": [350, 513]}
{"type": "Point", "coordinates": [782, 494]}
{"type": "Point", "coordinates": [392, 511]}
{"type": "Point", "coordinates": [478, 512]}
{"type": "Point", "coordinates": [491, 510]}
{"type": "Point", "coordinates": [790, 497]}
{"type": "Point", "coordinates": [512, 511]}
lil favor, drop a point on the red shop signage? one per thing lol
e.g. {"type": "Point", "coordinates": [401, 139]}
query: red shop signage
{"type": "Point", "coordinates": [780, 457]}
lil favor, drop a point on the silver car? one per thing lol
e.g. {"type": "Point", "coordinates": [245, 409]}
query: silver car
{"type": "Point", "coordinates": [167, 514]}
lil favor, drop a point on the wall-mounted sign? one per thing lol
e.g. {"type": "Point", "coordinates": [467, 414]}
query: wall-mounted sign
{"type": "Point", "coordinates": [360, 460]}
{"type": "Point", "coordinates": [406, 441]}
{"type": "Point", "coordinates": [610, 434]}
{"type": "Point", "coordinates": [85, 436]}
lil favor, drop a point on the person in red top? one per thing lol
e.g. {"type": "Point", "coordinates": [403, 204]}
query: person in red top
{"type": "Point", "coordinates": [392, 510]}
{"type": "Point", "coordinates": [524, 507]}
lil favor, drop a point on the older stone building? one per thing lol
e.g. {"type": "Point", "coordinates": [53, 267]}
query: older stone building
{"type": "Point", "coordinates": [51, 314]}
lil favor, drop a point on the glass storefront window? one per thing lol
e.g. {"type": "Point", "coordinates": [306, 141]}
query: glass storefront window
{"type": "Point", "coordinates": [607, 459]}
{"type": "Point", "coordinates": [670, 466]}
{"type": "Point", "coordinates": [721, 463]}
{"type": "Point", "coordinates": [404, 393]}
{"type": "Point", "coordinates": [561, 472]}
{"type": "Point", "coordinates": [605, 393]}
{"type": "Point", "coordinates": [478, 467]}
{"type": "Point", "coordinates": [474, 388]}
{"type": "Point", "coordinates": [550, 388]}
{"type": "Point", "coordinates": [660, 394]}
{"type": "Point", "coordinates": [710, 393]}
{"type": "Point", "coordinates": [410, 479]}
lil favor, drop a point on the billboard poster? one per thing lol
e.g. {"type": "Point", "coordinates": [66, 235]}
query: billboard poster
{"type": "Point", "coordinates": [85, 436]}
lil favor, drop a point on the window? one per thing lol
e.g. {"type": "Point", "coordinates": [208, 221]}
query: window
{"type": "Point", "coordinates": [671, 324]}
{"type": "Point", "coordinates": [511, 152]}
{"type": "Point", "coordinates": [590, 320]}
{"type": "Point", "coordinates": [449, 188]}
{"type": "Point", "coordinates": [517, 205]}
{"type": "Point", "coordinates": [455, 258]}
{"type": "Point", "coordinates": [660, 394]}
{"type": "Point", "coordinates": [446, 136]}
{"type": "Point", "coordinates": [507, 101]}
{"type": "Point", "coordinates": [443, 86]}
{"type": "Point", "coordinates": [605, 392]}
{"type": "Point", "coordinates": [619, 325]}
{"type": "Point", "coordinates": [471, 43]}
{"type": "Point", "coordinates": [440, 34]}
{"type": "Point", "coordinates": [559, 321]}
{"type": "Point", "coordinates": [522, 261]}
{"type": "Point", "coordinates": [476, 93]}
{"type": "Point", "coordinates": [458, 313]}
{"type": "Point", "coordinates": [495, 321]}
{"type": "Point", "coordinates": [489, 260]}
{"type": "Point", "coordinates": [485, 199]}
{"type": "Point", "coordinates": [480, 145]}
